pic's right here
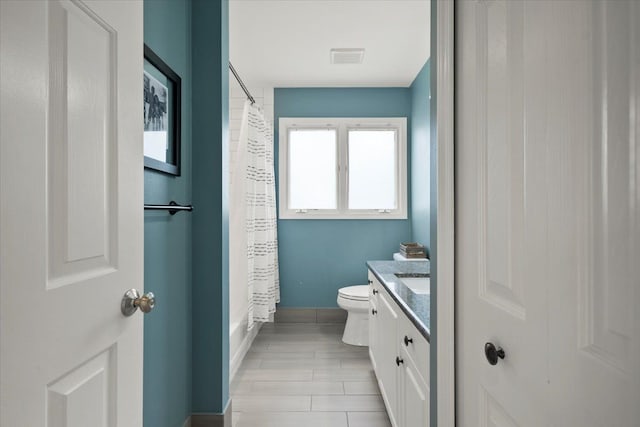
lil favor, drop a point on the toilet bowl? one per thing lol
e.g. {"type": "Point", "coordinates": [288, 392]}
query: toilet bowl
{"type": "Point", "coordinates": [355, 299]}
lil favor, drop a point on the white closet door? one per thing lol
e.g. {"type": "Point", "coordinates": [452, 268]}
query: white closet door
{"type": "Point", "coordinates": [70, 213]}
{"type": "Point", "coordinates": [548, 212]}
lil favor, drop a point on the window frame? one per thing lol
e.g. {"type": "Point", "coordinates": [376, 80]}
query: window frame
{"type": "Point", "coordinates": [342, 126]}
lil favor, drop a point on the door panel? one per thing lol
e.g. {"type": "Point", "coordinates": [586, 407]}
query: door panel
{"type": "Point", "coordinates": [70, 212]}
{"type": "Point", "coordinates": [503, 299]}
{"type": "Point", "coordinates": [547, 201]}
{"type": "Point", "coordinates": [604, 327]}
{"type": "Point", "coordinates": [81, 144]}
{"type": "Point", "coordinates": [492, 413]}
{"type": "Point", "coordinates": [84, 396]}
{"type": "Point", "coordinates": [594, 315]}
{"type": "Point", "coordinates": [500, 156]}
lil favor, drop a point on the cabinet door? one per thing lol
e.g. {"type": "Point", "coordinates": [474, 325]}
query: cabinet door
{"type": "Point", "coordinates": [387, 352]}
{"type": "Point", "coordinates": [415, 345]}
{"type": "Point", "coordinates": [414, 395]}
{"type": "Point", "coordinates": [374, 332]}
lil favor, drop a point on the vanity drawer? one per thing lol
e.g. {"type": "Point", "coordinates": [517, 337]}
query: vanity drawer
{"type": "Point", "coordinates": [416, 346]}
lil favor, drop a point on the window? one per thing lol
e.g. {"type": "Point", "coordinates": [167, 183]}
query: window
{"type": "Point", "coordinates": [351, 168]}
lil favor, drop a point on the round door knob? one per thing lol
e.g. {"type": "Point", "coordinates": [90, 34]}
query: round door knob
{"type": "Point", "coordinates": [492, 353]}
{"type": "Point", "coordinates": [407, 340]}
{"type": "Point", "coordinates": [399, 361]}
{"type": "Point", "coordinates": [374, 311]}
{"type": "Point", "coordinates": [132, 301]}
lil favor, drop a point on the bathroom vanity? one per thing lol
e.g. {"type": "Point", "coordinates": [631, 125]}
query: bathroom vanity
{"type": "Point", "coordinates": [399, 298]}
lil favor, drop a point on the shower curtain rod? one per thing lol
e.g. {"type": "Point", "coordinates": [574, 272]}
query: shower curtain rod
{"type": "Point", "coordinates": [244, 88]}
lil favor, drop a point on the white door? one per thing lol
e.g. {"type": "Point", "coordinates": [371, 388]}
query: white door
{"type": "Point", "coordinates": [548, 212]}
{"type": "Point", "coordinates": [70, 213]}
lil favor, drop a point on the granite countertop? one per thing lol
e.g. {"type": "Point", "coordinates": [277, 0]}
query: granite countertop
{"type": "Point", "coordinates": [415, 306]}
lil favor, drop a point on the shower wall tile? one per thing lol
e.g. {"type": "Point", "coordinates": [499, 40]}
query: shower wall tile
{"type": "Point", "coordinates": [237, 97]}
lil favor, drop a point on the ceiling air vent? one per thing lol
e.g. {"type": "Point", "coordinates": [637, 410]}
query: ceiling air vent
{"type": "Point", "coordinates": [347, 56]}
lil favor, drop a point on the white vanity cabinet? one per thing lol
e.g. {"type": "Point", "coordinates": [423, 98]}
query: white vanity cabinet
{"type": "Point", "coordinates": [386, 368]}
{"type": "Point", "coordinates": [400, 357]}
{"type": "Point", "coordinates": [413, 383]}
{"type": "Point", "coordinates": [374, 291]}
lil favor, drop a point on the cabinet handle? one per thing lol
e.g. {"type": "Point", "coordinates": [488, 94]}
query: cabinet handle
{"type": "Point", "coordinates": [375, 291]}
{"type": "Point", "coordinates": [374, 311]}
{"type": "Point", "coordinates": [399, 361]}
{"type": "Point", "coordinates": [370, 282]}
{"type": "Point", "coordinates": [407, 340]}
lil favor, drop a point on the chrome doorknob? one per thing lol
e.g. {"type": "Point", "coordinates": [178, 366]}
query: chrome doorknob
{"type": "Point", "coordinates": [493, 353]}
{"type": "Point", "coordinates": [132, 300]}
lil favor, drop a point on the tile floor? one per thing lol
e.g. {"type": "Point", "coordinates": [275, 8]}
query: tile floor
{"type": "Point", "coordinates": [303, 375]}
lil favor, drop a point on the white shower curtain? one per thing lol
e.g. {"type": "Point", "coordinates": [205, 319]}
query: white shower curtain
{"type": "Point", "coordinates": [253, 221]}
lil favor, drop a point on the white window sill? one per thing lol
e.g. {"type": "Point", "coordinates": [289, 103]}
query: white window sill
{"type": "Point", "coordinates": [357, 216]}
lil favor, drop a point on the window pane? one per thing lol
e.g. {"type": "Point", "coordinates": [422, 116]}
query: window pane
{"type": "Point", "coordinates": [312, 169]}
{"type": "Point", "coordinates": [372, 169]}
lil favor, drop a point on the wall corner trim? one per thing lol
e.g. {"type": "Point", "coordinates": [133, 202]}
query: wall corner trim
{"type": "Point", "coordinates": [445, 411]}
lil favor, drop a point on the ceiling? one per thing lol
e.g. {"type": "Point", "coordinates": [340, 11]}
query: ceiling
{"type": "Point", "coordinates": [286, 43]}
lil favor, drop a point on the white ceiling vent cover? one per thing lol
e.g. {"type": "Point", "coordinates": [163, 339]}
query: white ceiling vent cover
{"type": "Point", "coordinates": [347, 56]}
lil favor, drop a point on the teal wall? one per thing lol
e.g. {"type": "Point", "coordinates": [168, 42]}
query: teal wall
{"type": "Point", "coordinates": [186, 361]}
{"type": "Point", "coordinates": [167, 239]}
{"type": "Point", "coordinates": [210, 200]}
{"type": "Point", "coordinates": [317, 257]}
{"type": "Point", "coordinates": [420, 156]}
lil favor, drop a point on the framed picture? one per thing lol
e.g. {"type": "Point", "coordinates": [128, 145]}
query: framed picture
{"type": "Point", "coordinates": [162, 106]}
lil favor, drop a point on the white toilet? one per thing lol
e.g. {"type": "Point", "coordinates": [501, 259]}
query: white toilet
{"type": "Point", "coordinates": [355, 299]}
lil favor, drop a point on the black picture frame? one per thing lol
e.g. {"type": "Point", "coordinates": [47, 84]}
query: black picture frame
{"type": "Point", "coordinates": [162, 114]}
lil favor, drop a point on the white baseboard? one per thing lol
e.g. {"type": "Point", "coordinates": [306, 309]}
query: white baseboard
{"type": "Point", "coordinates": [238, 357]}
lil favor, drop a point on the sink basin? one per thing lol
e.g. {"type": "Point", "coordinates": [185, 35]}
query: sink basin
{"type": "Point", "coordinates": [419, 283]}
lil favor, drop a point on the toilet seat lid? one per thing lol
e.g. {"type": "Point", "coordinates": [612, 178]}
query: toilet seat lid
{"type": "Point", "coordinates": [358, 292]}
